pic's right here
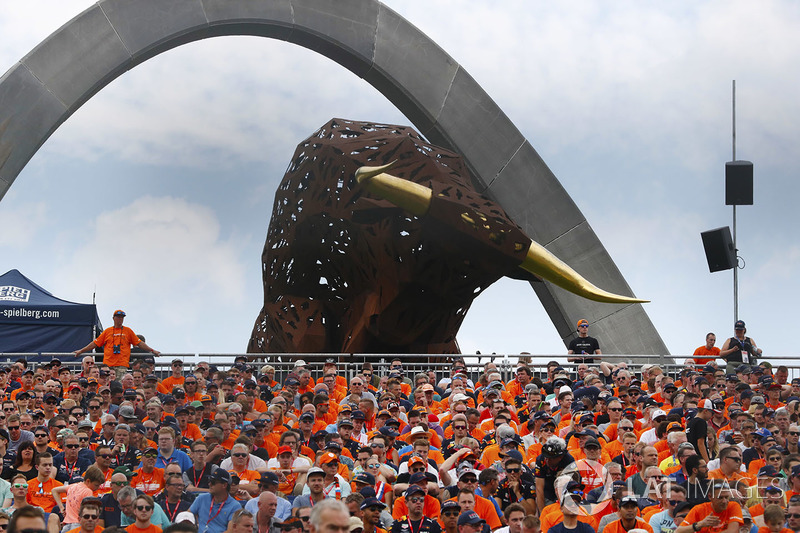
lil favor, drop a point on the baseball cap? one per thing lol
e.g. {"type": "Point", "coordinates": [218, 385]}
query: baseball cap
{"type": "Point", "coordinates": [413, 489]}
{"type": "Point", "coordinates": [220, 475]}
{"type": "Point", "coordinates": [582, 322]}
{"type": "Point", "coordinates": [269, 478]}
{"type": "Point", "coordinates": [470, 518]}
{"type": "Point", "coordinates": [366, 478]}
{"type": "Point", "coordinates": [284, 449]}
{"type": "Point", "coordinates": [628, 500]}
{"type": "Point", "coordinates": [739, 324]}
{"type": "Point", "coordinates": [328, 458]}
{"type": "Point", "coordinates": [315, 470]}
{"type": "Point", "coordinates": [119, 312]}
{"type": "Point", "coordinates": [373, 502]}
{"type": "Point", "coordinates": [768, 471]}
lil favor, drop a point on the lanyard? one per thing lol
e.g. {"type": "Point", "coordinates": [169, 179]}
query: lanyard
{"type": "Point", "coordinates": [211, 508]}
{"type": "Point", "coordinates": [173, 513]}
{"type": "Point", "coordinates": [411, 526]}
{"type": "Point", "coordinates": [198, 479]}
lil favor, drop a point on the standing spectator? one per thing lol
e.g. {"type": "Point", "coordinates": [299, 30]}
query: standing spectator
{"type": "Point", "coordinates": [583, 345]}
{"type": "Point", "coordinates": [739, 348]}
{"type": "Point", "coordinates": [697, 430]}
{"type": "Point", "coordinates": [76, 493]}
{"type": "Point", "coordinates": [554, 459]}
{"type": "Point", "coordinates": [718, 515]}
{"type": "Point", "coordinates": [708, 352]}
{"type": "Point", "coordinates": [116, 342]}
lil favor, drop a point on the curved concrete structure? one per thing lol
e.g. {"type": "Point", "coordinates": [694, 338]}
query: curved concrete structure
{"type": "Point", "coordinates": [442, 100]}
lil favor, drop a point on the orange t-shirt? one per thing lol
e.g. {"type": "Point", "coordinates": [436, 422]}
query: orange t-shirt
{"type": "Point", "coordinates": [617, 527]}
{"type": "Point", "coordinates": [431, 508]}
{"type": "Point", "coordinates": [152, 528]}
{"type": "Point", "coordinates": [733, 513]}
{"type": "Point", "coordinates": [41, 494]}
{"type": "Point", "coordinates": [703, 355]}
{"type": "Point", "coordinates": [766, 529]}
{"type": "Point", "coordinates": [123, 337]}
{"type": "Point", "coordinates": [166, 385]}
{"type": "Point", "coordinates": [551, 516]}
{"type": "Point", "coordinates": [152, 483]}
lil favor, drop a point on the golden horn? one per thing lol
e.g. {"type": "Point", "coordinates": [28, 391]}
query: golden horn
{"type": "Point", "coordinates": [541, 262]}
{"type": "Point", "coordinates": [412, 197]}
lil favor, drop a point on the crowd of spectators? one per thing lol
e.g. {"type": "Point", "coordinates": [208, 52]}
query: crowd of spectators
{"type": "Point", "coordinates": [596, 447]}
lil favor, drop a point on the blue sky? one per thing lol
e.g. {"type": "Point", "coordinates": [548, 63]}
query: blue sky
{"type": "Point", "coordinates": [157, 192]}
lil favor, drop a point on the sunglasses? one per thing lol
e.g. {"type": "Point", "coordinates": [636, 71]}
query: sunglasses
{"type": "Point", "coordinates": [144, 508]}
{"type": "Point", "coordinates": [150, 455]}
{"type": "Point", "coordinates": [105, 455]}
{"type": "Point", "coordinates": [513, 470]}
{"type": "Point", "coordinates": [377, 445]}
{"type": "Point", "coordinates": [794, 433]}
{"type": "Point", "coordinates": [792, 515]}
{"type": "Point", "coordinates": [459, 427]}
{"type": "Point", "coordinates": [416, 500]}
{"type": "Point", "coordinates": [93, 407]}
{"type": "Point", "coordinates": [120, 483]}
{"type": "Point", "coordinates": [615, 409]}
{"type": "Point", "coordinates": [41, 435]}
{"type": "Point", "coordinates": [239, 455]}
{"type": "Point", "coordinates": [451, 513]}
{"type": "Point", "coordinates": [72, 446]}
{"type": "Point", "coordinates": [20, 485]}
{"type": "Point", "coordinates": [57, 427]}
{"type": "Point", "coordinates": [90, 516]}
{"type": "Point", "coordinates": [12, 428]}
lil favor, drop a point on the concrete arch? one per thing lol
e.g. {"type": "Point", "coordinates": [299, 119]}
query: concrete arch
{"type": "Point", "coordinates": [442, 100]}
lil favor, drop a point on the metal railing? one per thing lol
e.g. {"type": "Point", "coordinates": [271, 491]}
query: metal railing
{"type": "Point", "coordinates": [350, 364]}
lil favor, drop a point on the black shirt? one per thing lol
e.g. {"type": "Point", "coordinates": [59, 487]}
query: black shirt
{"type": "Point", "coordinates": [541, 470]}
{"type": "Point", "coordinates": [584, 345]}
{"type": "Point", "coordinates": [426, 525]}
{"type": "Point", "coordinates": [697, 431]}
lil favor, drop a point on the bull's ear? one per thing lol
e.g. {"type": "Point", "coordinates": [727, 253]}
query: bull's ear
{"type": "Point", "coordinates": [413, 197]}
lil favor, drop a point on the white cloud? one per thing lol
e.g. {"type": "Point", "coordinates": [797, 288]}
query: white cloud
{"type": "Point", "coordinates": [165, 262]}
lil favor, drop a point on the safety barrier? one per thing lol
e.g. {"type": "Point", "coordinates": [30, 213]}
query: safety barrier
{"type": "Point", "coordinates": [350, 364]}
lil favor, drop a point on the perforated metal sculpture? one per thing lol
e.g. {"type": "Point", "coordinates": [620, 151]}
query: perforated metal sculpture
{"type": "Point", "coordinates": [361, 261]}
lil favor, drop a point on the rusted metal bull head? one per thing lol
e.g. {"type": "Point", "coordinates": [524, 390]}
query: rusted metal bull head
{"type": "Point", "coordinates": [361, 261]}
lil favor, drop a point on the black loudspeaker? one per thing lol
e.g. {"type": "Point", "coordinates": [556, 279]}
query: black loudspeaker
{"type": "Point", "coordinates": [719, 249]}
{"type": "Point", "coordinates": [738, 183]}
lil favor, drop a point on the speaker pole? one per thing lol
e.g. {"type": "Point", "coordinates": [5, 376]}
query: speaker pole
{"type": "Point", "coordinates": [735, 249]}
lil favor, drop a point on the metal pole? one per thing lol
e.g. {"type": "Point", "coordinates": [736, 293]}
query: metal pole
{"type": "Point", "coordinates": [735, 249]}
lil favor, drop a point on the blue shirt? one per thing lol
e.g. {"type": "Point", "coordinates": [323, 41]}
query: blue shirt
{"type": "Point", "coordinates": [177, 457]}
{"type": "Point", "coordinates": [213, 517]}
{"type": "Point", "coordinates": [283, 512]}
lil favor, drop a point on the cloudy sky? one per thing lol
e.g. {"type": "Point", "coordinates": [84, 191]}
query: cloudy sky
{"type": "Point", "coordinates": [157, 193]}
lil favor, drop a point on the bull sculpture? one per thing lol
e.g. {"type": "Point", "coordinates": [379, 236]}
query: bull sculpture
{"type": "Point", "coordinates": [360, 260]}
